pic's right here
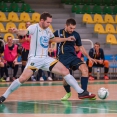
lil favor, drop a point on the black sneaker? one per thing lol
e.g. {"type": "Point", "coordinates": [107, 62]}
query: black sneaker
{"type": "Point", "coordinates": [2, 99]}
{"type": "Point", "coordinates": [86, 94]}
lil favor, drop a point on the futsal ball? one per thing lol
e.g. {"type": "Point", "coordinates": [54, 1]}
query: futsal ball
{"type": "Point", "coordinates": [103, 93]}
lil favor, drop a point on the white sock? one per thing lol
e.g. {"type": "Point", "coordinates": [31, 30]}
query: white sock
{"type": "Point", "coordinates": [15, 84]}
{"type": "Point", "coordinates": [72, 82]}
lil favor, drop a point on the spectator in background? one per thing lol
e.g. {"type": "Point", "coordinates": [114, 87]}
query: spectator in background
{"type": "Point", "coordinates": [11, 52]}
{"type": "Point", "coordinates": [25, 41]}
{"type": "Point", "coordinates": [97, 53]}
{"type": "Point", "coordinates": [1, 61]}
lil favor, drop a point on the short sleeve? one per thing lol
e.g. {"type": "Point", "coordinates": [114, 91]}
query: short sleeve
{"type": "Point", "coordinates": [78, 40]}
{"type": "Point", "coordinates": [56, 33]}
{"type": "Point", "coordinates": [31, 29]}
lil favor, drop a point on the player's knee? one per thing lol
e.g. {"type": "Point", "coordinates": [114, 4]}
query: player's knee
{"type": "Point", "coordinates": [106, 63]}
{"type": "Point", "coordinates": [84, 70]}
{"type": "Point", "coordinates": [64, 71]}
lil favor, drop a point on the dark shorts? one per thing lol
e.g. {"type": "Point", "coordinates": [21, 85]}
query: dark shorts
{"type": "Point", "coordinates": [70, 62]}
{"type": "Point", "coordinates": [10, 65]}
{"type": "Point", "coordinates": [96, 65]}
{"type": "Point", "coordinates": [24, 54]}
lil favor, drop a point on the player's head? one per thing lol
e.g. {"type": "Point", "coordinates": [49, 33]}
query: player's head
{"type": "Point", "coordinates": [27, 24]}
{"type": "Point", "coordinates": [70, 25]}
{"type": "Point", "coordinates": [45, 20]}
{"type": "Point", "coordinates": [9, 40]}
{"type": "Point", "coordinates": [97, 46]}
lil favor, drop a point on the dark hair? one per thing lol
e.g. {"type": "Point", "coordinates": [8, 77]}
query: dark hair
{"type": "Point", "coordinates": [45, 15]}
{"type": "Point", "coordinates": [70, 21]}
{"type": "Point", "coordinates": [97, 43]}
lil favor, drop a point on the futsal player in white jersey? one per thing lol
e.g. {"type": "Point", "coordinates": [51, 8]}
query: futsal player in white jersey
{"type": "Point", "coordinates": [41, 35]}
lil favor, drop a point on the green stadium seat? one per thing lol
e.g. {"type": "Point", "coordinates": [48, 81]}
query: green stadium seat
{"type": "Point", "coordinates": [107, 10]}
{"type": "Point", "coordinates": [86, 9]}
{"type": "Point", "coordinates": [78, 10]}
{"type": "Point", "coordinates": [115, 10]}
{"type": "Point", "coordinates": [108, 2]}
{"type": "Point", "coordinates": [26, 7]}
{"type": "Point", "coordinates": [4, 7]}
{"type": "Point", "coordinates": [14, 7]}
{"type": "Point", "coordinates": [88, 2]}
{"type": "Point", "coordinates": [97, 9]}
{"type": "Point", "coordinates": [74, 8]}
{"type": "Point", "coordinates": [78, 2]}
{"type": "Point", "coordinates": [98, 2]}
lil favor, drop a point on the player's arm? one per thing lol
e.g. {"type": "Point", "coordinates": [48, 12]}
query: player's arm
{"type": "Point", "coordinates": [18, 31]}
{"type": "Point", "coordinates": [58, 39]}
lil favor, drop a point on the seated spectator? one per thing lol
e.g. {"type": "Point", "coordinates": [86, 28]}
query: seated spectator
{"type": "Point", "coordinates": [10, 57]}
{"type": "Point", "coordinates": [98, 54]}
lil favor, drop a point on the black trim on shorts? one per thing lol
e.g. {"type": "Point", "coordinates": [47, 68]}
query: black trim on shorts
{"type": "Point", "coordinates": [51, 67]}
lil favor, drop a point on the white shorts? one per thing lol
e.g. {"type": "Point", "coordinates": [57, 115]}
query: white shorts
{"type": "Point", "coordinates": [40, 63]}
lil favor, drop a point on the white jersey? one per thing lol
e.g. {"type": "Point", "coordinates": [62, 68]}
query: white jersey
{"type": "Point", "coordinates": [39, 40]}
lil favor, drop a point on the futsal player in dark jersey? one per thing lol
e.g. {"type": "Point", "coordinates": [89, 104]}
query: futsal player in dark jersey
{"type": "Point", "coordinates": [67, 55]}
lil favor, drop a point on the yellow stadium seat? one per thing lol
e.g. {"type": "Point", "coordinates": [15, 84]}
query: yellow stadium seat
{"type": "Point", "coordinates": [98, 19]}
{"type": "Point", "coordinates": [111, 39]}
{"type": "Point", "coordinates": [6, 35]}
{"type": "Point", "coordinates": [51, 28]}
{"type": "Point", "coordinates": [12, 16]}
{"type": "Point", "coordinates": [25, 17]}
{"type": "Point", "coordinates": [116, 18]}
{"type": "Point", "coordinates": [22, 25]}
{"type": "Point", "coordinates": [88, 19]}
{"type": "Point", "coordinates": [10, 25]}
{"type": "Point", "coordinates": [109, 19]}
{"type": "Point", "coordinates": [35, 17]}
{"type": "Point", "coordinates": [110, 29]}
{"type": "Point", "coordinates": [2, 29]}
{"type": "Point", "coordinates": [98, 28]}
{"type": "Point", "coordinates": [3, 17]}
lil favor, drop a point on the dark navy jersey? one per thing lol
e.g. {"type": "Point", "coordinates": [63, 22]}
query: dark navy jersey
{"type": "Point", "coordinates": [67, 47]}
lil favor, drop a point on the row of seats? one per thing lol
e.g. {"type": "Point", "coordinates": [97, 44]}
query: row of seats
{"type": "Point", "coordinates": [109, 28]}
{"type": "Point", "coordinates": [11, 25]}
{"type": "Point", "coordinates": [87, 18]}
{"type": "Point", "coordinates": [24, 17]}
{"type": "Point", "coordinates": [90, 2]}
{"type": "Point", "coordinates": [95, 9]}
{"type": "Point", "coordinates": [15, 7]}
{"type": "Point", "coordinates": [10, 1]}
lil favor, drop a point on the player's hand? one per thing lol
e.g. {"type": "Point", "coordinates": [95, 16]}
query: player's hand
{"type": "Point", "coordinates": [13, 30]}
{"type": "Point", "coordinates": [71, 38]}
{"type": "Point", "coordinates": [92, 60]}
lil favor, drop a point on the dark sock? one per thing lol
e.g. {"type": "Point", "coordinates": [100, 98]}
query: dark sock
{"type": "Point", "coordinates": [106, 70]}
{"type": "Point", "coordinates": [90, 69]}
{"type": "Point", "coordinates": [23, 66]}
{"type": "Point", "coordinates": [67, 88]}
{"type": "Point", "coordinates": [6, 70]}
{"type": "Point", "coordinates": [2, 72]}
{"type": "Point", "coordinates": [84, 83]}
{"type": "Point", "coordinates": [15, 70]}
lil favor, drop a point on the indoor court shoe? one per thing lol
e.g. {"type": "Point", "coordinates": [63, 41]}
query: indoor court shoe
{"type": "Point", "coordinates": [8, 79]}
{"type": "Point", "coordinates": [2, 79]}
{"type": "Point", "coordinates": [66, 97]}
{"type": "Point", "coordinates": [86, 94]}
{"type": "Point", "coordinates": [91, 78]}
{"type": "Point", "coordinates": [106, 77]}
{"type": "Point", "coordinates": [2, 99]}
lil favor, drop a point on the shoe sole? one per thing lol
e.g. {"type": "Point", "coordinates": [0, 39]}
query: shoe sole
{"type": "Point", "coordinates": [91, 96]}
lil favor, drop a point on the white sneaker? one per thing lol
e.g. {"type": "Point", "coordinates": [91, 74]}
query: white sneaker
{"type": "Point", "coordinates": [49, 78]}
{"type": "Point", "coordinates": [7, 79]}
{"type": "Point", "coordinates": [33, 78]}
{"type": "Point", "coordinates": [41, 79]}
